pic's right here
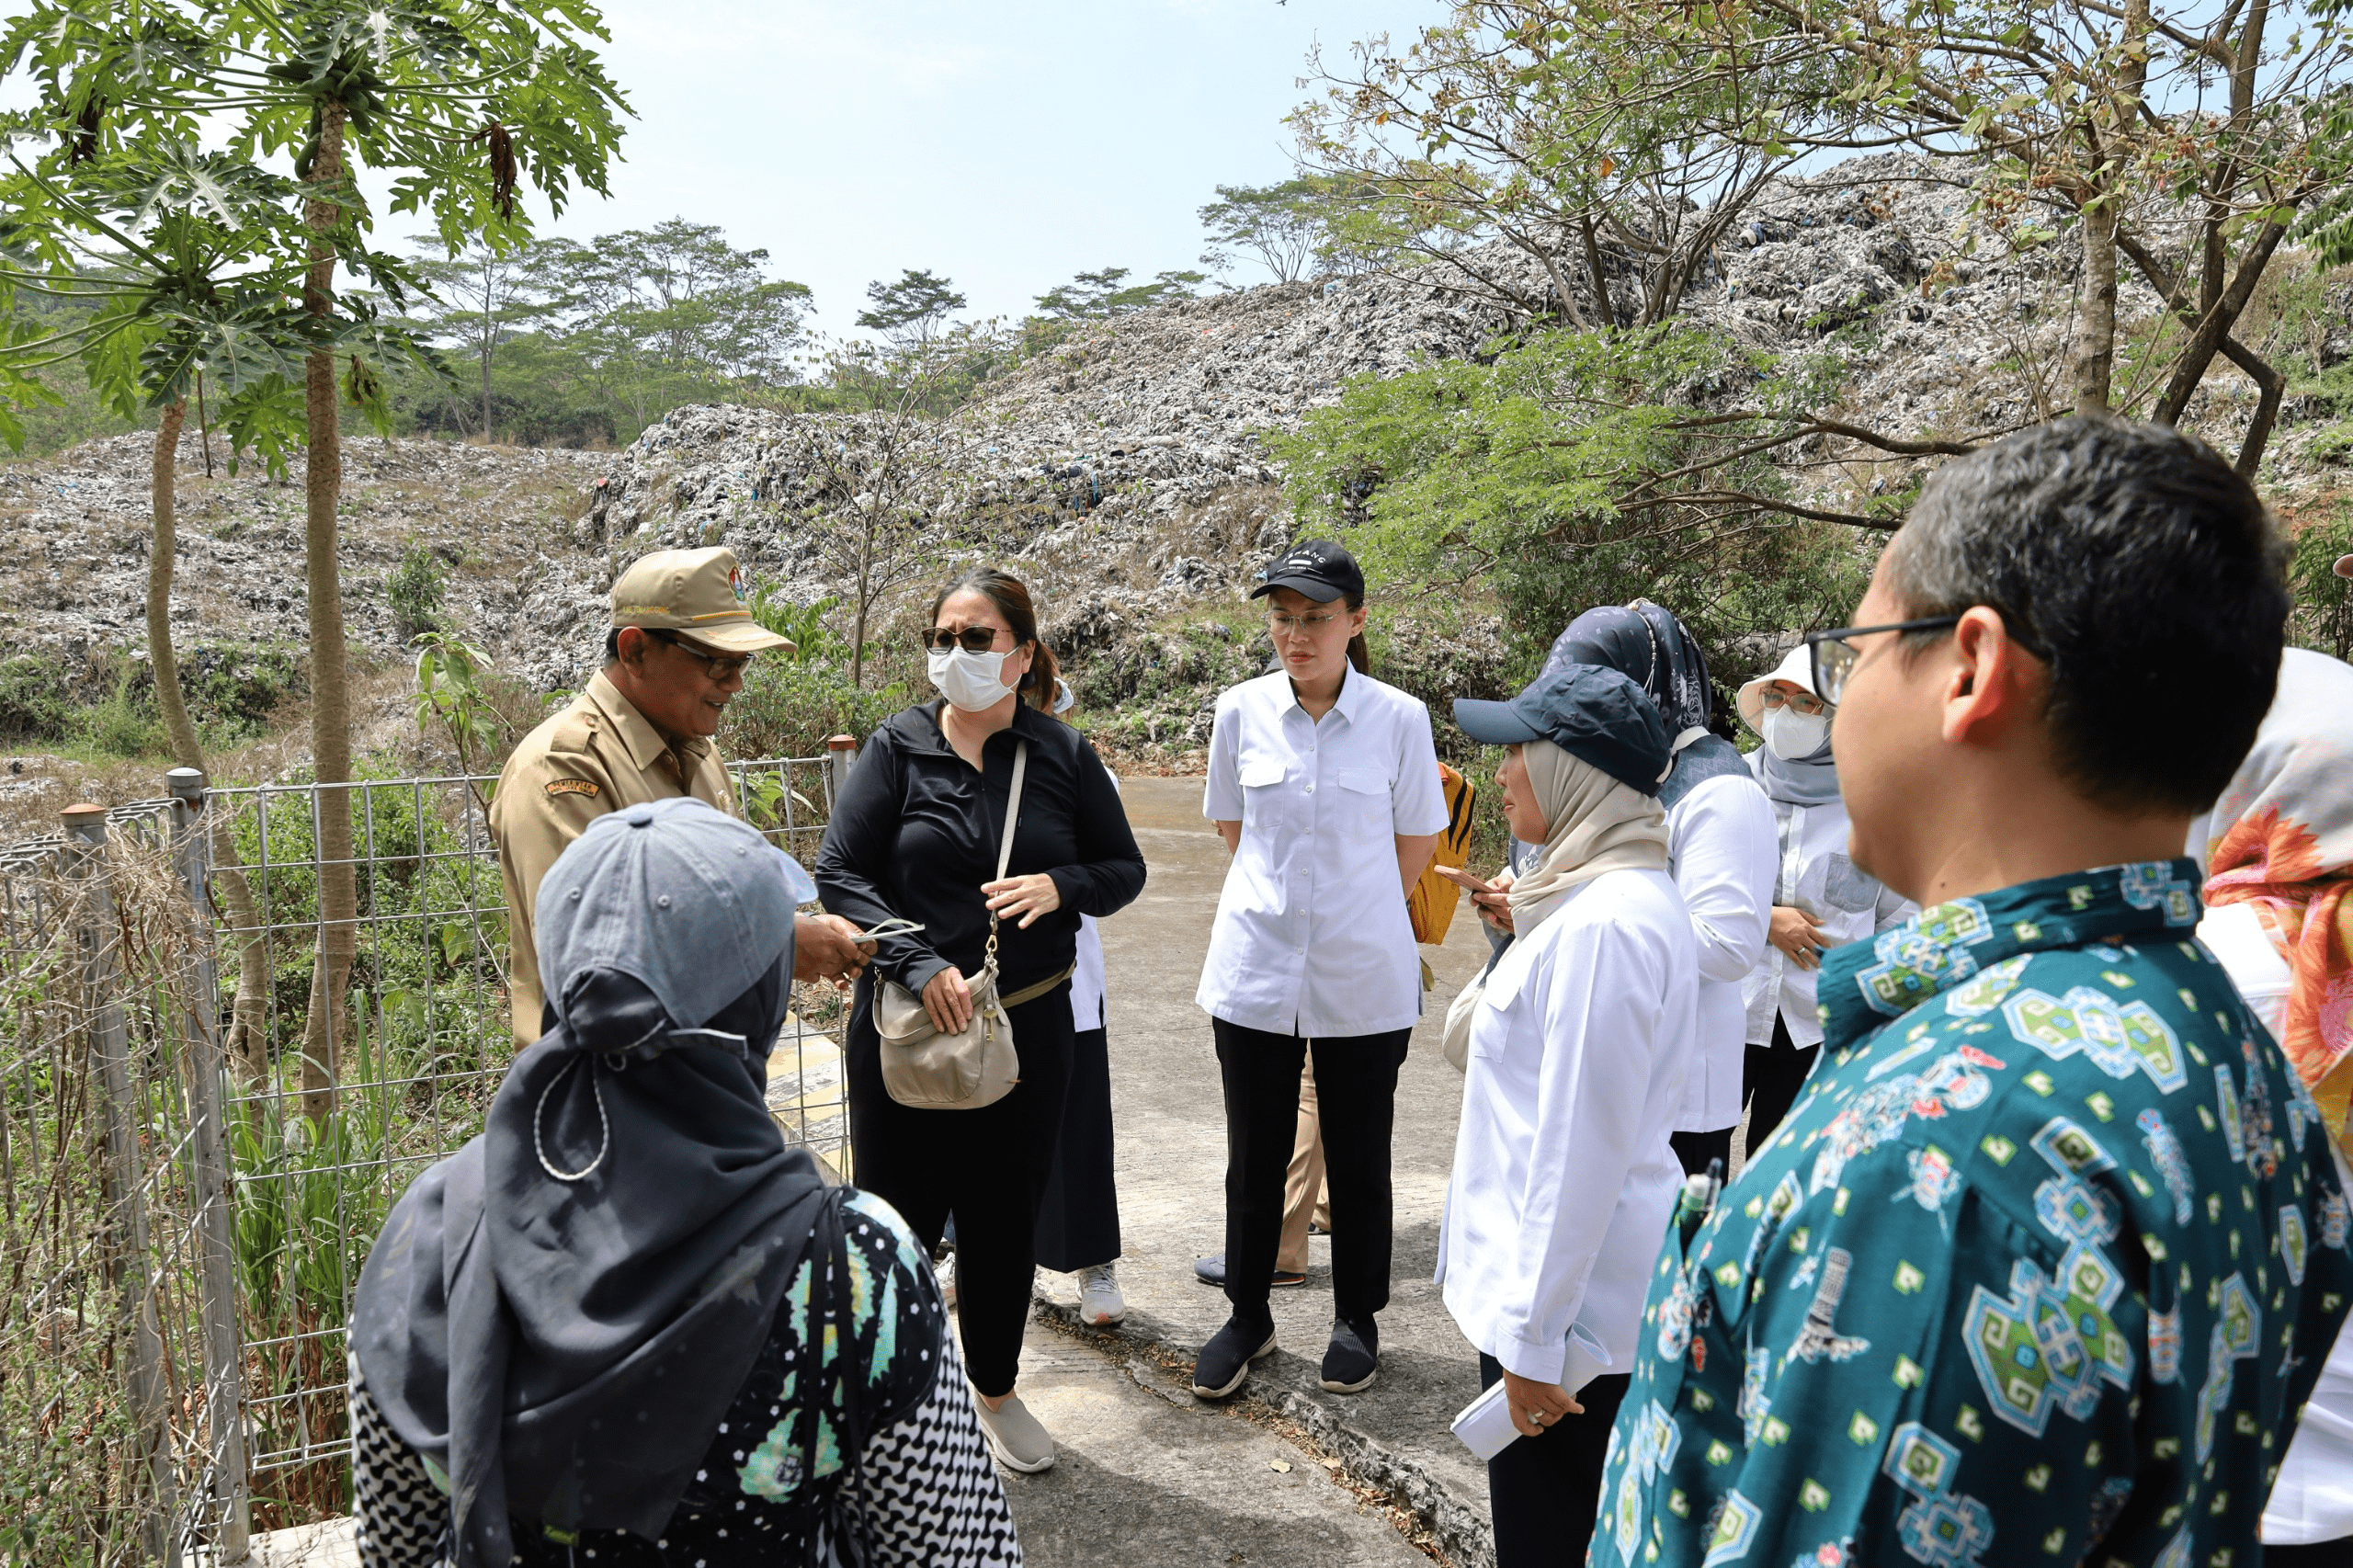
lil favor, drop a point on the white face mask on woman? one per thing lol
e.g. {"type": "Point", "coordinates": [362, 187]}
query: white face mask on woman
{"type": "Point", "coordinates": [1794, 737]}
{"type": "Point", "coordinates": [971, 681]}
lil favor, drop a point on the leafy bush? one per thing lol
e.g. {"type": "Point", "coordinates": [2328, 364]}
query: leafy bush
{"type": "Point", "coordinates": [121, 724]}
{"type": "Point", "coordinates": [2323, 618]}
{"type": "Point", "coordinates": [804, 624]}
{"type": "Point", "coordinates": [789, 708]}
{"type": "Point", "coordinates": [33, 704]}
{"type": "Point", "coordinates": [1508, 479]}
{"type": "Point", "coordinates": [414, 593]}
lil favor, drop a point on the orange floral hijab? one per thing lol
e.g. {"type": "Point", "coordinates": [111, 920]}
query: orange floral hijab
{"type": "Point", "coordinates": [2281, 839]}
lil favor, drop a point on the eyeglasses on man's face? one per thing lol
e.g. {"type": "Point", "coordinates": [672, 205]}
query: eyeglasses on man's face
{"type": "Point", "coordinates": [972, 639]}
{"type": "Point", "coordinates": [722, 668]}
{"type": "Point", "coordinates": [1834, 656]}
{"type": "Point", "coordinates": [1310, 625]}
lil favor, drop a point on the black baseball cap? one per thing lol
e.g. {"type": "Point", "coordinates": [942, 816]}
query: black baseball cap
{"type": "Point", "coordinates": [1588, 711]}
{"type": "Point", "coordinates": [1318, 568]}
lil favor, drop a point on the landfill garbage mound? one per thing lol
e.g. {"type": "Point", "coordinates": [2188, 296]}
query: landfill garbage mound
{"type": "Point", "coordinates": [1122, 472]}
{"type": "Point", "coordinates": [75, 530]}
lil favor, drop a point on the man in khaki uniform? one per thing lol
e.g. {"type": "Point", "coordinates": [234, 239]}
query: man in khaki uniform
{"type": "Point", "coordinates": [681, 635]}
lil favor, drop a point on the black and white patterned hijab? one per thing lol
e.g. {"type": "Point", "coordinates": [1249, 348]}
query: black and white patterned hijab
{"type": "Point", "coordinates": [558, 1316]}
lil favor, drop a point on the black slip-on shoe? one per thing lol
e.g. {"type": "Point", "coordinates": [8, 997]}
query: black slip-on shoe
{"type": "Point", "coordinates": [1225, 1359]}
{"type": "Point", "coordinates": [1210, 1270]}
{"type": "Point", "coordinates": [1353, 1358]}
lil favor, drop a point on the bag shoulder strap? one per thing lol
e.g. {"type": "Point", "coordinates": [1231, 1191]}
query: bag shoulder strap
{"type": "Point", "coordinates": [1012, 816]}
{"type": "Point", "coordinates": [1012, 808]}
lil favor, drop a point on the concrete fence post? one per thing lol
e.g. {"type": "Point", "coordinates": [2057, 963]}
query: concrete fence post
{"type": "Point", "coordinates": [841, 755]}
{"type": "Point", "coordinates": [125, 1244]}
{"type": "Point", "coordinates": [208, 1071]}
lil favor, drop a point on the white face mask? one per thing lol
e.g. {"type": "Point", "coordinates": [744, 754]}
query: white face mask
{"type": "Point", "coordinates": [970, 681]}
{"type": "Point", "coordinates": [1794, 737]}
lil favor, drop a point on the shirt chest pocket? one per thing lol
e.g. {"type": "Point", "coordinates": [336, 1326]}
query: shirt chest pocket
{"type": "Point", "coordinates": [1260, 771]}
{"type": "Point", "coordinates": [1491, 1022]}
{"type": "Point", "coordinates": [1358, 800]}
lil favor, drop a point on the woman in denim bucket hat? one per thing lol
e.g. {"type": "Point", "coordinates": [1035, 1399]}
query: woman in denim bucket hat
{"type": "Point", "coordinates": [595, 1329]}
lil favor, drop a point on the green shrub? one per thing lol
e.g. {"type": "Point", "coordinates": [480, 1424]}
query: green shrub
{"type": "Point", "coordinates": [2323, 618]}
{"type": "Point", "coordinates": [238, 690]}
{"type": "Point", "coordinates": [788, 707]}
{"type": "Point", "coordinates": [33, 704]}
{"type": "Point", "coordinates": [123, 724]}
{"type": "Point", "coordinates": [414, 592]}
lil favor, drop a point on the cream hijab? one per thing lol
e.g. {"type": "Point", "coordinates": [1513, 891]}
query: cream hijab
{"type": "Point", "coordinates": [1597, 824]}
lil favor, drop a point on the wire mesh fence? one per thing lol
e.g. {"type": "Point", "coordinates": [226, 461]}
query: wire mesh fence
{"type": "Point", "coordinates": [197, 1152]}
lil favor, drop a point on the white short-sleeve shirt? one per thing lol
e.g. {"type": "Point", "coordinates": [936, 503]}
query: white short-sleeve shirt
{"type": "Point", "coordinates": [1312, 935]}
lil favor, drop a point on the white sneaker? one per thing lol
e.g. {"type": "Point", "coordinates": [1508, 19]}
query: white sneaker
{"type": "Point", "coordinates": [1099, 1302]}
{"type": "Point", "coordinates": [1014, 1435]}
{"type": "Point", "coordinates": [947, 1273]}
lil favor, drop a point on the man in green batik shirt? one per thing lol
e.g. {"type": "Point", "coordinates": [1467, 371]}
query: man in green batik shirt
{"type": "Point", "coordinates": [2044, 1263]}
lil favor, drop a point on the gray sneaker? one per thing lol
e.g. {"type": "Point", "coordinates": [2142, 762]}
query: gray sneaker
{"type": "Point", "coordinates": [1099, 1302]}
{"type": "Point", "coordinates": [1014, 1435]}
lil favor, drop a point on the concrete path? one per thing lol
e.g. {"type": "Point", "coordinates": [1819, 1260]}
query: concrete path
{"type": "Point", "coordinates": [1171, 1123]}
{"type": "Point", "coordinates": [1146, 1473]}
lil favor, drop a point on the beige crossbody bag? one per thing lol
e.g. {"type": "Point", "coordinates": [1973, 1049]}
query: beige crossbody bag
{"type": "Point", "coordinates": [977, 1066]}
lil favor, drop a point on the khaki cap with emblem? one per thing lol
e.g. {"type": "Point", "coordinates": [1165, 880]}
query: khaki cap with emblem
{"type": "Point", "coordinates": [698, 592]}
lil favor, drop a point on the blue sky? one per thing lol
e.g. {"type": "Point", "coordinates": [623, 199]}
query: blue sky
{"type": "Point", "coordinates": [1007, 145]}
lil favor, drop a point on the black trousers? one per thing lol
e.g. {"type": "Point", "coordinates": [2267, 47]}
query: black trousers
{"type": "Point", "coordinates": [1356, 1092]}
{"type": "Point", "coordinates": [988, 1168]}
{"type": "Point", "coordinates": [1770, 1077]}
{"type": "Point", "coordinates": [1544, 1492]}
{"type": "Point", "coordinates": [1078, 1223]}
{"type": "Point", "coordinates": [1695, 1149]}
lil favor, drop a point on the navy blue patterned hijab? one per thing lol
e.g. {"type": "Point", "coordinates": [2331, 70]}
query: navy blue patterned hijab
{"type": "Point", "coordinates": [1646, 643]}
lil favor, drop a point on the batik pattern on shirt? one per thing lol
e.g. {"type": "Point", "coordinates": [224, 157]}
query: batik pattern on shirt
{"type": "Point", "coordinates": [2039, 1268]}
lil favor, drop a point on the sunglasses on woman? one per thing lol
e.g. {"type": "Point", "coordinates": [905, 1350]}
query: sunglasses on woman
{"type": "Point", "coordinates": [972, 639]}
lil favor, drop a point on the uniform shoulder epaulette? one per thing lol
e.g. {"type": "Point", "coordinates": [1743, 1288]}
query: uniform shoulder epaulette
{"type": "Point", "coordinates": [574, 728]}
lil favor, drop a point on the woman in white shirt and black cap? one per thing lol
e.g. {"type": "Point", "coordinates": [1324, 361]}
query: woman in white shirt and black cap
{"type": "Point", "coordinates": [1579, 1044]}
{"type": "Point", "coordinates": [1325, 783]}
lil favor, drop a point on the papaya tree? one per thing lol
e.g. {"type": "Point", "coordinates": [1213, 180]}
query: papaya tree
{"type": "Point", "coordinates": [169, 261]}
{"type": "Point", "coordinates": [458, 103]}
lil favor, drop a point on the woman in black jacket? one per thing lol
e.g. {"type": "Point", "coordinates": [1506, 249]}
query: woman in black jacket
{"type": "Point", "coordinates": [914, 835]}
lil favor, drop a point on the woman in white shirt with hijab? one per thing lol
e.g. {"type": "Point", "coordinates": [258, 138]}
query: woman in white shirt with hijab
{"type": "Point", "coordinates": [1579, 1045]}
{"type": "Point", "coordinates": [1720, 850]}
{"type": "Point", "coordinates": [1821, 898]}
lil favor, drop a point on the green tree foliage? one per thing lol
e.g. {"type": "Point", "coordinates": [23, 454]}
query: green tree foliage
{"type": "Point", "coordinates": [475, 302]}
{"type": "Point", "coordinates": [458, 105]}
{"type": "Point", "coordinates": [1511, 477]}
{"type": "Point", "coordinates": [912, 309]}
{"type": "Point", "coordinates": [1591, 139]}
{"type": "Point", "coordinates": [1281, 226]}
{"type": "Point", "coordinates": [1302, 225]}
{"type": "Point", "coordinates": [572, 342]}
{"type": "Point", "coordinates": [1096, 296]}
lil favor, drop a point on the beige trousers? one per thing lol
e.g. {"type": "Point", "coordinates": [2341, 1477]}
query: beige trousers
{"type": "Point", "coordinates": [1303, 1193]}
